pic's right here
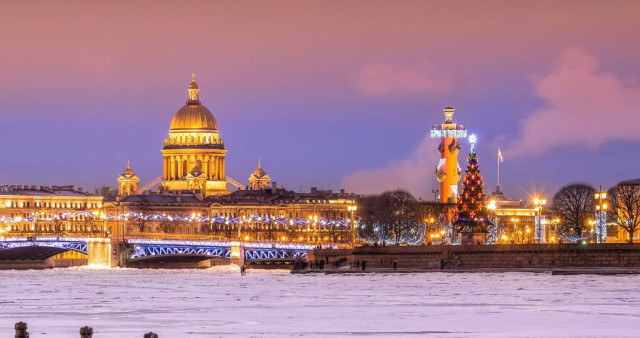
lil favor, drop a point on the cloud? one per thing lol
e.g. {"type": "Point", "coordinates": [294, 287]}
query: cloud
{"type": "Point", "coordinates": [415, 174]}
{"type": "Point", "coordinates": [384, 79]}
{"type": "Point", "coordinates": [582, 106]}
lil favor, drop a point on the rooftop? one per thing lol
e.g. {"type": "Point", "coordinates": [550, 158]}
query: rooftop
{"type": "Point", "coordinates": [32, 190]}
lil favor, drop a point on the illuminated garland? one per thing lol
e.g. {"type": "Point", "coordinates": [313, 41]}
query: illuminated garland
{"type": "Point", "coordinates": [194, 218]}
{"type": "Point", "coordinates": [413, 235]}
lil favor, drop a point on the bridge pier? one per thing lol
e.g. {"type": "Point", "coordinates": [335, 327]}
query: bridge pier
{"type": "Point", "coordinates": [99, 252]}
{"type": "Point", "coordinates": [237, 254]}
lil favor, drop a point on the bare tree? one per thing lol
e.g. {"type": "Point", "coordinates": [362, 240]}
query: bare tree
{"type": "Point", "coordinates": [141, 215]}
{"type": "Point", "coordinates": [574, 205]}
{"type": "Point", "coordinates": [394, 216]}
{"type": "Point", "coordinates": [106, 191]}
{"type": "Point", "coordinates": [625, 205]}
{"type": "Point", "coordinates": [58, 227]}
{"type": "Point", "coordinates": [168, 225]}
{"type": "Point", "coordinates": [437, 216]}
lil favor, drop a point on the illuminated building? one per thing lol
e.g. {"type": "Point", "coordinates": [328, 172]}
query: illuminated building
{"type": "Point", "coordinates": [448, 171]}
{"type": "Point", "coordinates": [128, 182]}
{"type": "Point", "coordinates": [259, 179]}
{"type": "Point", "coordinates": [193, 199]}
{"type": "Point", "coordinates": [58, 210]}
{"type": "Point", "coordinates": [191, 202]}
{"type": "Point", "coordinates": [194, 153]}
{"type": "Point", "coordinates": [511, 219]}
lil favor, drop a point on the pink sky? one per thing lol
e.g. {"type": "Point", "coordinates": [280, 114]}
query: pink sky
{"type": "Point", "coordinates": [340, 75]}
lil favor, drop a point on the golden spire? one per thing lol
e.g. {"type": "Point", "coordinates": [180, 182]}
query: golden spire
{"type": "Point", "coordinates": [128, 165]}
{"type": "Point", "coordinates": [259, 164]}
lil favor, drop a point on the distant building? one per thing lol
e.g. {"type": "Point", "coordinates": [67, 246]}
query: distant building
{"type": "Point", "coordinates": [60, 210]}
{"type": "Point", "coordinates": [259, 179]}
{"type": "Point", "coordinates": [128, 182]}
{"type": "Point", "coordinates": [512, 218]}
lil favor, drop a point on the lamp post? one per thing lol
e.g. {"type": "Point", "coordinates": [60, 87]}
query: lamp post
{"type": "Point", "coordinates": [601, 216]}
{"type": "Point", "coordinates": [435, 194]}
{"type": "Point", "coordinates": [494, 229]}
{"type": "Point", "coordinates": [240, 220]}
{"type": "Point", "coordinates": [539, 203]}
{"type": "Point", "coordinates": [352, 209]}
{"type": "Point", "coordinates": [313, 219]}
{"type": "Point", "coordinates": [123, 220]}
{"type": "Point", "coordinates": [515, 229]}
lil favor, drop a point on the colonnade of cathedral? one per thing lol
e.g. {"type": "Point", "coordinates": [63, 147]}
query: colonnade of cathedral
{"type": "Point", "coordinates": [176, 167]}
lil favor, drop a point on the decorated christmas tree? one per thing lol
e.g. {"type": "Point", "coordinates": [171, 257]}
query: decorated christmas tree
{"type": "Point", "coordinates": [472, 210]}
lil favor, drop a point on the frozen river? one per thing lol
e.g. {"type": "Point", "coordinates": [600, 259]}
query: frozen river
{"type": "Point", "coordinates": [215, 303]}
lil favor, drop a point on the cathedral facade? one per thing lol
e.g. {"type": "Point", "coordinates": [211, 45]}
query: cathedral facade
{"type": "Point", "coordinates": [193, 154]}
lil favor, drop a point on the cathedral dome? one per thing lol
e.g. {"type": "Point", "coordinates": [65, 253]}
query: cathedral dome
{"type": "Point", "coordinates": [193, 116]}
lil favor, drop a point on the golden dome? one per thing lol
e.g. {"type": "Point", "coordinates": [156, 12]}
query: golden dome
{"type": "Point", "coordinates": [128, 172]}
{"type": "Point", "coordinates": [259, 172]}
{"type": "Point", "coordinates": [193, 116]}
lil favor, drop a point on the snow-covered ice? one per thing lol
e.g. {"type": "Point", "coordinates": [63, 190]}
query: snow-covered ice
{"type": "Point", "coordinates": [218, 302]}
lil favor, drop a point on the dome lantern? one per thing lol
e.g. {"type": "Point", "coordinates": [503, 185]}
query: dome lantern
{"type": "Point", "coordinates": [194, 92]}
{"type": "Point", "coordinates": [193, 116]}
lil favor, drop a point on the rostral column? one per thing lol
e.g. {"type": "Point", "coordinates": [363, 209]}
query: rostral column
{"type": "Point", "coordinates": [448, 171]}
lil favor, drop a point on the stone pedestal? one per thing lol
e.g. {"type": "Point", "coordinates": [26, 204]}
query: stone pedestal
{"type": "Point", "coordinates": [473, 238]}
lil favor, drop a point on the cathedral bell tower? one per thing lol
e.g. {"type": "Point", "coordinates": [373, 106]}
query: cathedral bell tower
{"type": "Point", "coordinates": [259, 179]}
{"type": "Point", "coordinates": [194, 154]}
{"type": "Point", "coordinates": [128, 182]}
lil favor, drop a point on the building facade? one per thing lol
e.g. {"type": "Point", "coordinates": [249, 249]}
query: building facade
{"type": "Point", "coordinates": [58, 210]}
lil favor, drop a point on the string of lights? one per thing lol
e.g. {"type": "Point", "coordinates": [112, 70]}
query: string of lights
{"type": "Point", "coordinates": [195, 218]}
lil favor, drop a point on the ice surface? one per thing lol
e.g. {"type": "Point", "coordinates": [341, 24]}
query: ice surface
{"type": "Point", "coordinates": [218, 302]}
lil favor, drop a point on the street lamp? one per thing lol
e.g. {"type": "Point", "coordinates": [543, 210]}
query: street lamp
{"type": "Point", "coordinates": [494, 228]}
{"type": "Point", "coordinates": [601, 216]}
{"type": "Point", "coordinates": [515, 229]}
{"type": "Point", "coordinates": [539, 203]}
{"type": "Point", "coordinates": [352, 209]}
{"type": "Point", "coordinates": [435, 194]}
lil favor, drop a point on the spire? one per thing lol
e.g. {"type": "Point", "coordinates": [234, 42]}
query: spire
{"type": "Point", "coordinates": [259, 164]}
{"type": "Point", "coordinates": [194, 92]}
{"type": "Point", "coordinates": [128, 171]}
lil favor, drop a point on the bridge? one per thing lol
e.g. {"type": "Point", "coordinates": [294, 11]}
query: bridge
{"type": "Point", "coordinates": [137, 251]}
